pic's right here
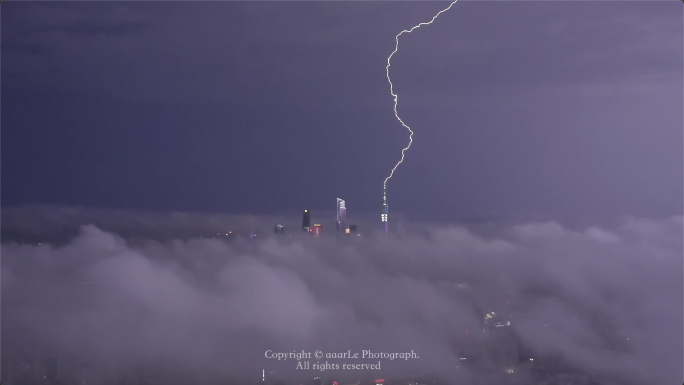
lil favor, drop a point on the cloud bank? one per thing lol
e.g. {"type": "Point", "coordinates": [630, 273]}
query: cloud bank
{"type": "Point", "coordinates": [604, 300]}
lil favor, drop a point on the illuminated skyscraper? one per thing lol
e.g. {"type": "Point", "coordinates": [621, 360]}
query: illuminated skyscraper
{"type": "Point", "coordinates": [306, 223]}
{"type": "Point", "coordinates": [341, 215]}
{"type": "Point", "coordinates": [385, 210]}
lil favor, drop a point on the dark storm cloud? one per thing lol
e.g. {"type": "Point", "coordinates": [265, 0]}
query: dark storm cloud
{"type": "Point", "coordinates": [607, 299]}
{"type": "Point", "coordinates": [243, 53]}
{"type": "Point", "coordinates": [217, 52]}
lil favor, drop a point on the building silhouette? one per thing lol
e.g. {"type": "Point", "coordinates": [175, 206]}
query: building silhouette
{"type": "Point", "coordinates": [341, 215]}
{"type": "Point", "coordinates": [385, 211]}
{"type": "Point", "coordinates": [306, 221]}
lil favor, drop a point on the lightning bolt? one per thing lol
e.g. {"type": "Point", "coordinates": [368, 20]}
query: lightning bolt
{"type": "Point", "coordinates": [384, 185]}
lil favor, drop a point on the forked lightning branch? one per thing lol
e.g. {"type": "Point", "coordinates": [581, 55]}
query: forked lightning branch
{"type": "Point", "coordinates": [385, 207]}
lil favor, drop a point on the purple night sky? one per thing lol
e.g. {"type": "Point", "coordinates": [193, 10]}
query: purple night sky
{"type": "Point", "coordinates": [532, 109]}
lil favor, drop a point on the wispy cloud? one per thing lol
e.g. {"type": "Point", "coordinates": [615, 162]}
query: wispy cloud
{"type": "Point", "coordinates": [605, 298]}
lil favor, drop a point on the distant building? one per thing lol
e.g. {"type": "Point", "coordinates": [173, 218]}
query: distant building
{"type": "Point", "coordinates": [385, 210]}
{"type": "Point", "coordinates": [306, 222]}
{"type": "Point", "coordinates": [341, 215]}
{"type": "Point", "coordinates": [279, 229]}
{"type": "Point", "coordinates": [316, 229]}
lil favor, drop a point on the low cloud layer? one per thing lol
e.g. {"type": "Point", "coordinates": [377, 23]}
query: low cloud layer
{"type": "Point", "coordinates": [605, 299]}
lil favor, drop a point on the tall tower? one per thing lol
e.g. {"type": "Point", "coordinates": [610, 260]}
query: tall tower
{"type": "Point", "coordinates": [385, 210]}
{"type": "Point", "coordinates": [341, 215]}
{"type": "Point", "coordinates": [306, 221]}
